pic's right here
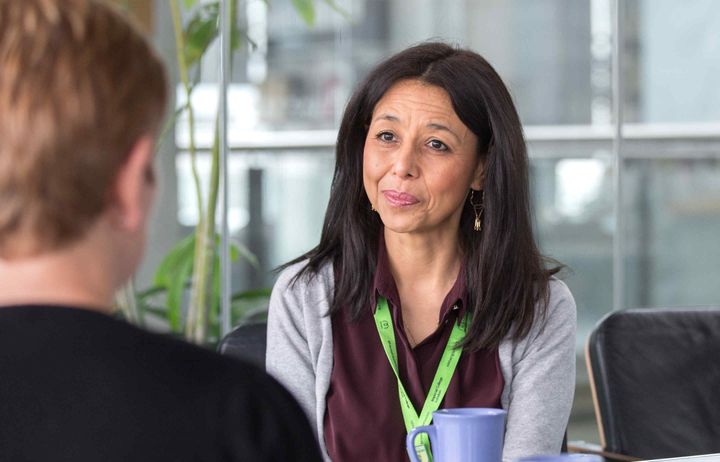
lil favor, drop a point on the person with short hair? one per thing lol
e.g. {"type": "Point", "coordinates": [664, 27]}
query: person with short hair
{"type": "Point", "coordinates": [427, 231]}
{"type": "Point", "coordinates": [82, 96]}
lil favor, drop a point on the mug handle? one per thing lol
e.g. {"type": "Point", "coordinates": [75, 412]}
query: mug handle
{"type": "Point", "coordinates": [410, 440]}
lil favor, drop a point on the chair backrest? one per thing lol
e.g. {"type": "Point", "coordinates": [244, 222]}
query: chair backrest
{"type": "Point", "coordinates": [655, 375]}
{"type": "Point", "coordinates": [246, 342]}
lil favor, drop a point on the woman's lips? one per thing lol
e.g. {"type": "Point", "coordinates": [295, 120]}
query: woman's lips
{"type": "Point", "coordinates": [399, 199]}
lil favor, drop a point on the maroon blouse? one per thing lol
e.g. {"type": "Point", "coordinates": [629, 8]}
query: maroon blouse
{"type": "Point", "coordinates": [363, 420]}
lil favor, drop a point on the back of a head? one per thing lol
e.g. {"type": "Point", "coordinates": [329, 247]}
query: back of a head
{"type": "Point", "coordinates": [79, 85]}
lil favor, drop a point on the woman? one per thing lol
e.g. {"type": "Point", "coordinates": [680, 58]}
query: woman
{"type": "Point", "coordinates": [427, 231]}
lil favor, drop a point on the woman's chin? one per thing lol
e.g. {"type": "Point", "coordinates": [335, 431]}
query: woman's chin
{"type": "Point", "coordinates": [402, 226]}
{"type": "Point", "coordinates": [397, 224]}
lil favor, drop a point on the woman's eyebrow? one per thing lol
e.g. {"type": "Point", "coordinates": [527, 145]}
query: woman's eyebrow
{"type": "Point", "coordinates": [437, 126]}
{"type": "Point", "coordinates": [387, 116]}
{"type": "Point", "coordinates": [433, 125]}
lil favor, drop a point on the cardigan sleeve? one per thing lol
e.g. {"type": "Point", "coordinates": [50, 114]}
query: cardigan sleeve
{"type": "Point", "coordinates": [299, 340]}
{"type": "Point", "coordinates": [541, 374]}
{"type": "Point", "coordinates": [288, 356]}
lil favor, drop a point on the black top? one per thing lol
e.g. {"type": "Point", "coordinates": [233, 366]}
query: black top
{"type": "Point", "coordinates": [77, 385]}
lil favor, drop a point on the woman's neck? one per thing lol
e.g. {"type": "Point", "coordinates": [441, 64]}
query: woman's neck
{"type": "Point", "coordinates": [428, 261]}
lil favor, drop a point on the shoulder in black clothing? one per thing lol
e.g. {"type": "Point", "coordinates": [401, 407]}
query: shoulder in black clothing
{"type": "Point", "coordinates": [81, 386]}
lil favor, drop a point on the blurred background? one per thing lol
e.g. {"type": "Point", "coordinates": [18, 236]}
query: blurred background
{"type": "Point", "coordinates": [647, 238]}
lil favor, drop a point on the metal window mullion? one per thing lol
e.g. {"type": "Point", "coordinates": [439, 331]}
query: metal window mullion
{"type": "Point", "coordinates": [223, 81]}
{"type": "Point", "coordinates": [617, 109]}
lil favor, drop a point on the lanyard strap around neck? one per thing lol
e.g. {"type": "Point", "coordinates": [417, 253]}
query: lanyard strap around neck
{"type": "Point", "coordinates": [445, 370]}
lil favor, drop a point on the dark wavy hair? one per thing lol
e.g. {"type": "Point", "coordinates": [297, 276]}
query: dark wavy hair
{"type": "Point", "coordinates": [506, 274]}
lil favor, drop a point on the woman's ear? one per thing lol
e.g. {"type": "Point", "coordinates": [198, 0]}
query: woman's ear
{"type": "Point", "coordinates": [479, 175]}
{"type": "Point", "coordinates": [134, 186]}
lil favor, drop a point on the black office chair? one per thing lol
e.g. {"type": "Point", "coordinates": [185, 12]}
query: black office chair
{"type": "Point", "coordinates": [655, 377]}
{"type": "Point", "coordinates": [246, 342]}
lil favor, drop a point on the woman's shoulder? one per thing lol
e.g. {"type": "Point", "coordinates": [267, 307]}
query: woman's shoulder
{"type": "Point", "coordinates": [553, 328]}
{"type": "Point", "coordinates": [556, 314]}
{"type": "Point", "coordinates": [300, 302]}
{"type": "Point", "coordinates": [298, 274]}
{"type": "Point", "coordinates": [301, 285]}
{"type": "Point", "coordinates": [560, 301]}
{"type": "Point", "coordinates": [557, 311]}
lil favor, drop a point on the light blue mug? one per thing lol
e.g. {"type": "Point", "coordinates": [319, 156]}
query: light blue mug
{"type": "Point", "coordinates": [462, 435]}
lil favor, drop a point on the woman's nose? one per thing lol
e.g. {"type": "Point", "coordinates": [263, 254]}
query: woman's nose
{"type": "Point", "coordinates": [405, 164]}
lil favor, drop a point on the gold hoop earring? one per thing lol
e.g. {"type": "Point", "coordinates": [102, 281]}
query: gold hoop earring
{"type": "Point", "coordinates": [478, 207]}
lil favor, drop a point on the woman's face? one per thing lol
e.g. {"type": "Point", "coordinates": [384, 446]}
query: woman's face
{"type": "Point", "coordinates": [419, 160]}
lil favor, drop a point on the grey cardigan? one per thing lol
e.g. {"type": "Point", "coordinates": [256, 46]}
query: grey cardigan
{"type": "Point", "coordinates": [539, 370]}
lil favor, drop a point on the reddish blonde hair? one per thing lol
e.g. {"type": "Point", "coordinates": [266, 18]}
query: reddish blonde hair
{"type": "Point", "coordinates": [79, 85]}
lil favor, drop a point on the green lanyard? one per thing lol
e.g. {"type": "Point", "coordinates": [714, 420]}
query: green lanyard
{"type": "Point", "coordinates": [445, 370]}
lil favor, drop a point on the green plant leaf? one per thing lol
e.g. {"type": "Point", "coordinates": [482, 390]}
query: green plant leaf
{"type": "Point", "coordinates": [175, 292]}
{"type": "Point", "coordinates": [173, 275]}
{"type": "Point", "coordinates": [169, 124]}
{"type": "Point", "coordinates": [159, 311]}
{"type": "Point", "coordinates": [215, 294]}
{"type": "Point", "coordinates": [250, 305]}
{"type": "Point", "coordinates": [189, 3]}
{"type": "Point", "coordinates": [169, 264]}
{"type": "Point", "coordinates": [149, 293]}
{"type": "Point", "coordinates": [247, 300]}
{"type": "Point", "coordinates": [155, 309]}
{"type": "Point", "coordinates": [156, 317]}
{"type": "Point", "coordinates": [306, 9]}
{"type": "Point", "coordinates": [238, 250]}
{"type": "Point", "coordinates": [201, 31]}
{"type": "Point", "coordinates": [338, 9]}
{"type": "Point", "coordinates": [150, 307]}
{"type": "Point", "coordinates": [236, 33]}
{"type": "Point", "coordinates": [253, 294]}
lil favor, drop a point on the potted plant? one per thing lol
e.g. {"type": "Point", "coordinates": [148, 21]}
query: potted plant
{"type": "Point", "coordinates": [186, 285]}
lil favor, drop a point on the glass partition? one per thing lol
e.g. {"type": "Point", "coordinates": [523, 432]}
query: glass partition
{"type": "Point", "coordinates": [290, 79]}
{"type": "Point", "coordinates": [673, 210]}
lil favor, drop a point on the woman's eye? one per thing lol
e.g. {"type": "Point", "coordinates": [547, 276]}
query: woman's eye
{"type": "Point", "coordinates": [438, 145]}
{"type": "Point", "coordinates": [386, 137]}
